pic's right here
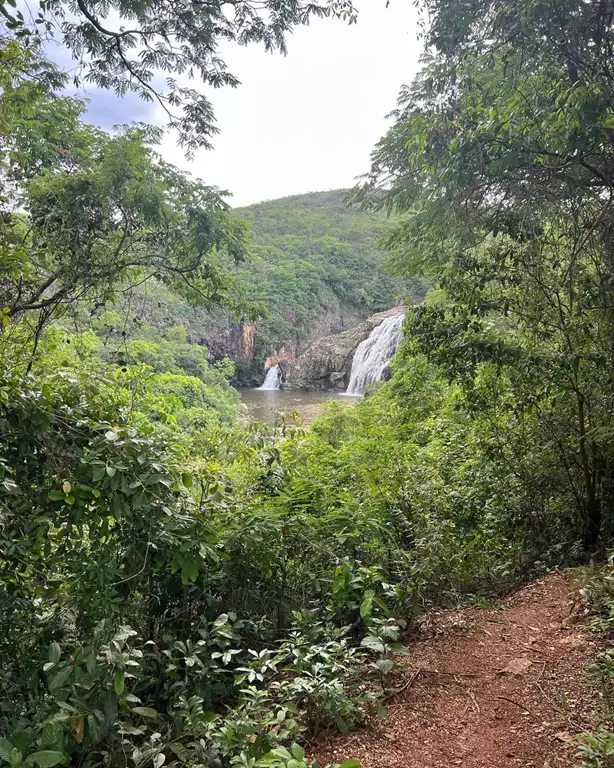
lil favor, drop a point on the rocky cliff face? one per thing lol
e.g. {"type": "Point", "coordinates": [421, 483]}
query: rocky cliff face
{"type": "Point", "coordinates": [224, 337]}
{"type": "Point", "coordinates": [327, 362]}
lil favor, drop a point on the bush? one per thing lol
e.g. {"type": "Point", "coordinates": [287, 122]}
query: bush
{"type": "Point", "coordinates": [123, 574]}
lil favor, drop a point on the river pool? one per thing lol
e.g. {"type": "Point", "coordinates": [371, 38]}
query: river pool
{"type": "Point", "coordinates": [265, 405]}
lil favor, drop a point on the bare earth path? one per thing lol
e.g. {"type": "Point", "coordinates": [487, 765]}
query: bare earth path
{"type": "Point", "coordinates": [495, 689]}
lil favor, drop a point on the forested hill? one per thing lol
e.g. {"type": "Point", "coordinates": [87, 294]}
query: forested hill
{"type": "Point", "coordinates": [318, 265]}
{"type": "Point", "coordinates": [315, 263]}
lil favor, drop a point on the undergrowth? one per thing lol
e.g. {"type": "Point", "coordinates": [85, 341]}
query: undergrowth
{"type": "Point", "coordinates": [596, 748]}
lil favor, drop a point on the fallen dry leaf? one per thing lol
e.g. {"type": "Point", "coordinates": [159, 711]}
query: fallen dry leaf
{"type": "Point", "coordinates": [574, 641]}
{"type": "Point", "coordinates": [563, 736]}
{"type": "Point", "coordinates": [517, 667]}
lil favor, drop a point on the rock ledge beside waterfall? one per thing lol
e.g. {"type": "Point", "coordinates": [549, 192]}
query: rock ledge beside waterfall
{"type": "Point", "coordinates": [327, 362]}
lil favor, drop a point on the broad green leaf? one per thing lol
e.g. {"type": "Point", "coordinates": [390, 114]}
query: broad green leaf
{"type": "Point", "coordinates": [55, 652]}
{"type": "Point", "coordinates": [373, 643]}
{"type": "Point", "coordinates": [384, 665]}
{"type": "Point", "coordinates": [367, 604]}
{"type": "Point", "coordinates": [95, 727]}
{"type": "Point", "coordinates": [118, 681]}
{"type": "Point", "coordinates": [6, 749]}
{"type": "Point", "coordinates": [52, 735]}
{"type": "Point", "coordinates": [46, 759]}
{"type": "Point", "coordinates": [400, 648]}
{"type": "Point", "coordinates": [341, 724]}
{"type": "Point", "coordinates": [98, 473]}
{"type": "Point", "coordinates": [145, 711]}
{"type": "Point", "coordinates": [60, 678]}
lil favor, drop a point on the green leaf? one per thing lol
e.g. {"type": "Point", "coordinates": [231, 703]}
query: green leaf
{"type": "Point", "coordinates": [98, 473]}
{"type": "Point", "coordinates": [66, 487]}
{"type": "Point", "coordinates": [350, 764]}
{"type": "Point", "coordinates": [52, 735]}
{"type": "Point", "coordinates": [55, 652]}
{"type": "Point", "coordinates": [46, 759]}
{"type": "Point", "coordinates": [145, 711]}
{"type": "Point", "coordinates": [109, 708]}
{"type": "Point", "coordinates": [95, 727]}
{"type": "Point", "coordinates": [156, 477]}
{"type": "Point", "coordinates": [60, 679]}
{"type": "Point", "coordinates": [118, 681]}
{"type": "Point", "coordinates": [341, 724]}
{"type": "Point", "coordinates": [297, 752]}
{"type": "Point", "coordinates": [399, 648]}
{"type": "Point", "coordinates": [384, 665]}
{"type": "Point", "coordinates": [6, 749]}
{"type": "Point", "coordinates": [367, 604]}
{"type": "Point", "coordinates": [373, 643]}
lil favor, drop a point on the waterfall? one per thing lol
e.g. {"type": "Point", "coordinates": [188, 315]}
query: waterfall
{"type": "Point", "coordinates": [272, 379]}
{"type": "Point", "coordinates": [373, 355]}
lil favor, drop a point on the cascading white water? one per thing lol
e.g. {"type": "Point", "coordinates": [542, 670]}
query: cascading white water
{"type": "Point", "coordinates": [272, 379]}
{"type": "Point", "coordinates": [374, 353]}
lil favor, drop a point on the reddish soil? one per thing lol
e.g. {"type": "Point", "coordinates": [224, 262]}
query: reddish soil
{"type": "Point", "coordinates": [487, 689]}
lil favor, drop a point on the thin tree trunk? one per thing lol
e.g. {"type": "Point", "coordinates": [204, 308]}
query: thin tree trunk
{"type": "Point", "coordinates": [592, 506]}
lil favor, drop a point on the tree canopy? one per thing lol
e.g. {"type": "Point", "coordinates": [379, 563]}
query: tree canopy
{"type": "Point", "coordinates": [501, 158]}
{"type": "Point", "coordinates": [87, 211]}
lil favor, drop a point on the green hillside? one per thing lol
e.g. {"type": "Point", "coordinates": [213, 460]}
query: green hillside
{"type": "Point", "coordinates": [315, 263]}
{"type": "Point", "coordinates": [318, 265]}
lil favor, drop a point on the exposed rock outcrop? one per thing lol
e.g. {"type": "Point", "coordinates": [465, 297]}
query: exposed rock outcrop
{"type": "Point", "coordinates": [247, 330]}
{"type": "Point", "coordinates": [327, 362]}
{"type": "Point", "coordinates": [281, 356]}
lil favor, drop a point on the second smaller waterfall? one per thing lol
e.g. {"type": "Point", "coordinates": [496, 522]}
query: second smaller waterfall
{"type": "Point", "coordinates": [272, 379]}
{"type": "Point", "coordinates": [373, 355]}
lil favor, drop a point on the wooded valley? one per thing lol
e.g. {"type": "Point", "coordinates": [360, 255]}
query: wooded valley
{"type": "Point", "coordinates": [179, 586]}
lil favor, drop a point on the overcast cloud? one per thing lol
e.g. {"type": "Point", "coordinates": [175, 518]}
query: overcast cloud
{"type": "Point", "coordinates": [304, 122]}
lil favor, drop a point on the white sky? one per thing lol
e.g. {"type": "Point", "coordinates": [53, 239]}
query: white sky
{"type": "Point", "coordinates": [301, 123]}
{"type": "Point", "coordinates": [308, 121]}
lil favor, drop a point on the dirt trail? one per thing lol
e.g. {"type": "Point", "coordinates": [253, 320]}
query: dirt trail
{"type": "Point", "coordinates": [487, 689]}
